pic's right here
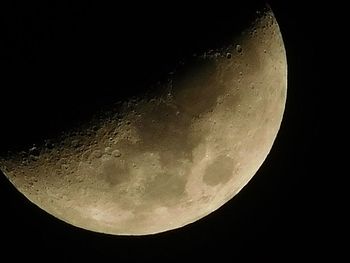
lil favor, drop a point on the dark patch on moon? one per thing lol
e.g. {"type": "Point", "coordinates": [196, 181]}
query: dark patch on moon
{"type": "Point", "coordinates": [203, 83]}
{"type": "Point", "coordinates": [166, 187]}
{"type": "Point", "coordinates": [164, 130]}
{"type": "Point", "coordinates": [166, 126]}
{"type": "Point", "coordinates": [219, 171]}
{"type": "Point", "coordinates": [115, 172]}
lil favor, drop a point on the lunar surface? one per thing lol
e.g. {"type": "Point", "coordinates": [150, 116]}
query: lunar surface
{"type": "Point", "coordinates": [168, 158]}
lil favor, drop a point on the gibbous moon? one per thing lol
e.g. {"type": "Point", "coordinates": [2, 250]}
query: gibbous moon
{"type": "Point", "coordinates": [170, 157]}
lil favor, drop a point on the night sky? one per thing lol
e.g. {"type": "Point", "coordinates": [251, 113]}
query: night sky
{"type": "Point", "coordinates": [62, 62]}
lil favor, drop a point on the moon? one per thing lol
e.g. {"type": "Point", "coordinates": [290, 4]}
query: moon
{"type": "Point", "coordinates": [165, 159]}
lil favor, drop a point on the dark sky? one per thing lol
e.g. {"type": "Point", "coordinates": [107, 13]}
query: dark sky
{"type": "Point", "coordinates": [84, 55]}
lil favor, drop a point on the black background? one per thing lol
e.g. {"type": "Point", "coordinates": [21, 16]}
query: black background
{"type": "Point", "coordinates": [60, 62]}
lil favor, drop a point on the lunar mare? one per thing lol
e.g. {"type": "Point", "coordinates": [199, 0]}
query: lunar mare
{"type": "Point", "coordinates": [168, 159]}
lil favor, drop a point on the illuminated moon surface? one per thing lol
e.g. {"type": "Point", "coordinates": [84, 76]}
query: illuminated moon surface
{"type": "Point", "coordinates": [171, 157]}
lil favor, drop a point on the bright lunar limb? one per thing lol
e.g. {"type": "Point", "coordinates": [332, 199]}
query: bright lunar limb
{"type": "Point", "coordinates": [167, 159]}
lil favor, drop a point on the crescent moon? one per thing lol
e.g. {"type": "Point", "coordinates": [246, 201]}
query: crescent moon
{"type": "Point", "coordinates": [166, 159]}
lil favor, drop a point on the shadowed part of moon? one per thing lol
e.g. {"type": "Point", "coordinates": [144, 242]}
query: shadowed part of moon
{"type": "Point", "coordinates": [204, 77]}
{"type": "Point", "coordinates": [219, 171]}
{"type": "Point", "coordinates": [164, 128]}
